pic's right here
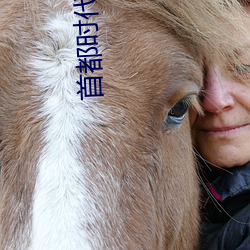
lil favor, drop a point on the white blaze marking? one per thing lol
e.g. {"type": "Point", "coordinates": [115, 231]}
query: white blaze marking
{"type": "Point", "coordinates": [61, 202]}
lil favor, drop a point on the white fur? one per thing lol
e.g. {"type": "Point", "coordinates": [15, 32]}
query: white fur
{"type": "Point", "coordinates": [62, 205]}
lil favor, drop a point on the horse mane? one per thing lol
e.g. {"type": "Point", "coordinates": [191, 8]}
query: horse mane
{"type": "Point", "coordinates": [196, 21]}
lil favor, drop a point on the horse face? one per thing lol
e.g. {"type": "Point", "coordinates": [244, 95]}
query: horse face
{"type": "Point", "coordinates": [148, 74]}
{"type": "Point", "coordinates": [108, 172]}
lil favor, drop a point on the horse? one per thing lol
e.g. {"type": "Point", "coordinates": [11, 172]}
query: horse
{"type": "Point", "coordinates": [96, 151]}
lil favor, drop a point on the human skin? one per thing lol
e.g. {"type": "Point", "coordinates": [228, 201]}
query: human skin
{"type": "Point", "coordinates": [222, 135]}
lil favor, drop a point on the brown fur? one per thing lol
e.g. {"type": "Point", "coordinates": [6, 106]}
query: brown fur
{"type": "Point", "coordinates": [143, 172]}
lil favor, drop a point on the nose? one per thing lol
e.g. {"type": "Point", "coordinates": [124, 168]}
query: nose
{"type": "Point", "coordinates": [217, 94]}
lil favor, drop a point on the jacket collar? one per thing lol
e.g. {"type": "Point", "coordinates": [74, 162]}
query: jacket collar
{"type": "Point", "coordinates": [229, 183]}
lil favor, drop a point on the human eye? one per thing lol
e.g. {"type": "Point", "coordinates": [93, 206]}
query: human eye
{"type": "Point", "coordinates": [242, 69]}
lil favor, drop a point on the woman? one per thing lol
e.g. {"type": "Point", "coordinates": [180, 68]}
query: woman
{"type": "Point", "coordinates": [222, 139]}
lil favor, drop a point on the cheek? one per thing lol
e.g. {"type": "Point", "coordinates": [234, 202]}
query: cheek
{"type": "Point", "coordinates": [243, 95]}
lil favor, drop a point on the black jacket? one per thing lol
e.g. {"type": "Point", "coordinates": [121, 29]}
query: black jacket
{"type": "Point", "coordinates": [226, 211]}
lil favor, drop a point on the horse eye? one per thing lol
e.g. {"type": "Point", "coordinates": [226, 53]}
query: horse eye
{"type": "Point", "coordinates": [178, 112]}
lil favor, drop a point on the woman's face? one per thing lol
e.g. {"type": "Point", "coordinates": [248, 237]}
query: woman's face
{"type": "Point", "coordinates": [222, 136]}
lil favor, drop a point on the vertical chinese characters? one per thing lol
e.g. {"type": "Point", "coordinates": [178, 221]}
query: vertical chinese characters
{"type": "Point", "coordinates": [88, 56]}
